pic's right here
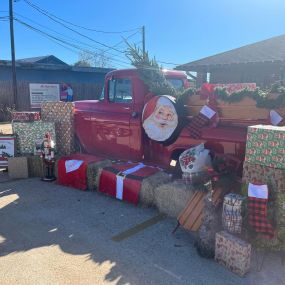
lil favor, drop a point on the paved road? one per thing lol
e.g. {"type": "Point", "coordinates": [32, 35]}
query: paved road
{"type": "Point", "coordinates": [56, 235]}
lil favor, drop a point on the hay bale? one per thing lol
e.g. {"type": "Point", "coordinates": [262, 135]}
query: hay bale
{"type": "Point", "coordinates": [93, 173]}
{"type": "Point", "coordinates": [211, 224]}
{"type": "Point", "coordinates": [171, 198]}
{"type": "Point", "coordinates": [146, 196]}
{"type": "Point", "coordinates": [35, 166]}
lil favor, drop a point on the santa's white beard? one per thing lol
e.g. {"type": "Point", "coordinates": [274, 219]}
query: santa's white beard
{"type": "Point", "coordinates": [157, 133]}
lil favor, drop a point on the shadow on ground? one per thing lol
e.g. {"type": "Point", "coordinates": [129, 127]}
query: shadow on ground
{"type": "Point", "coordinates": [35, 214]}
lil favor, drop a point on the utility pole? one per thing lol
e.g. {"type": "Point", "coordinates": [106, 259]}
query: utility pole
{"type": "Point", "coordinates": [143, 40]}
{"type": "Point", "coordinates": [15, 95]}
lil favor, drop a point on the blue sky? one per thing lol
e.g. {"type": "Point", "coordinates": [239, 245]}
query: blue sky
{"type": "Point", "coordinates": [176, 31]}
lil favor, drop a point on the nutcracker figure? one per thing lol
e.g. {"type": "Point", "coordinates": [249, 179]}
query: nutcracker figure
{"type": "Point", "coordinates": [48, 158]}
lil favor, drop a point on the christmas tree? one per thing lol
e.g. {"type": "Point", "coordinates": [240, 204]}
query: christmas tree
{"type": "Point", "coordinates": [150, 72]}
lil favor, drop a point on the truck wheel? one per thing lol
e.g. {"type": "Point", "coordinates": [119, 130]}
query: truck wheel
{"type": "Point", "coordinates": [161, 119]}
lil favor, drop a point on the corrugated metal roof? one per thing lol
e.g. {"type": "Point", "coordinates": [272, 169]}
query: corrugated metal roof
{"type": "Point", "coordinates": [270, 50]}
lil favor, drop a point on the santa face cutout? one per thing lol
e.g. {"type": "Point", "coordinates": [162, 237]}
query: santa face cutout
{"type": "Point", "coordinates": [160, 118]}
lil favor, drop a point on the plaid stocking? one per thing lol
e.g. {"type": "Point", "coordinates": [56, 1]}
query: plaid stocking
{"type": "Point", "coordinates": [196, 124]}
{"type": "Point", "coordinates": [257, 210]}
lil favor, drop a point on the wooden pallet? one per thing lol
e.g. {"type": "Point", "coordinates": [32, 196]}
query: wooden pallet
{"type": "Point", "coordinates": [192, 216]}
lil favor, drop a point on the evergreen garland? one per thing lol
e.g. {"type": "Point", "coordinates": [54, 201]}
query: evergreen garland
{"type": "Point", "coordinates": [260, 96]}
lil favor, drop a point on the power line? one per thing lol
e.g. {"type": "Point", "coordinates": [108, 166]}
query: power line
{"type": "Point", "coordinates": [73, 39]}
{"type": "Point", "coordinates": [62, 41]}
{"type": "Point", "coordinates": [80, 48]}
{"type": "Point", "coordinates": [122, 41]}
{"type": "Point", "coordinates": [67, 27]}
{"type": "Point", "coordinates": [79, 26]}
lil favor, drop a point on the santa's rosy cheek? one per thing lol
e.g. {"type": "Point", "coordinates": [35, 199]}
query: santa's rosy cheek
{"type": "Point", "coordinates": [158, 116]}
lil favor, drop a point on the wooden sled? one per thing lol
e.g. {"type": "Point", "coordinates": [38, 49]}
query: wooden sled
{"type": "Point", "coordinates": [192, 216]}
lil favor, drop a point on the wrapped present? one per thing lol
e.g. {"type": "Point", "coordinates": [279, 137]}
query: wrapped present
{"type": "Point", "coordinates": [280, 220]}
{"type": "Point", "coordinates": [233, 253]}
{"type": "Point", "coordinates": [264, 175]}
{"type": "Point", "coordinates": [232, 223]}
{"type": "Point", "coordinates": [72, 170]}
{"type": "Point", "coordinates": [232, 213]}
{"type": "Point", "coordinates": [26, 116]}
{"type": "Point", "coordinates": [124, 181]}
{"type": "Point", "coordinates": [62, 114]}
{"type": "Point", "coordinates": [27, 133]}
{"type": "Point", "coordinates": [280, 215]}
{"type": "Point", "coordinates": [18, 167]}
{"type": "Point", "coordinates": [266, 146]}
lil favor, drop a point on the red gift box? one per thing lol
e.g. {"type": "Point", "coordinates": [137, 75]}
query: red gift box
{"type": "Point", "coordinates": [72, 170]}
{"type": "Point", "coordinates": [123, 181]}
{"type": "Point", "coordinates": [26, 116]}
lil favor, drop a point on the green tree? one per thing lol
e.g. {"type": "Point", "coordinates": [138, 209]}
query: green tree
{"type": "Point", "coordinates": [82, 63]}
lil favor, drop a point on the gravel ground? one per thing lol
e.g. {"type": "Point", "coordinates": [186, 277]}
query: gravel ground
{"type": "Point", "coordinates": [51, 234]}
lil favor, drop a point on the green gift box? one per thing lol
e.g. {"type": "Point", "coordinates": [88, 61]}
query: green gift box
{"type": "Point", "coordinates": [265, 145]}
{"type": "Point", "coordinates": [28, 132]}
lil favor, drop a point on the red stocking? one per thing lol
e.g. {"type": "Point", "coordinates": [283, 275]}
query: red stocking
{"type": "Point", "coordinates": [257, 210]}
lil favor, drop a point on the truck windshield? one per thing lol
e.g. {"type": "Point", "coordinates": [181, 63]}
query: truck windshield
{"type": "Point", "coordinates": [176, 83]}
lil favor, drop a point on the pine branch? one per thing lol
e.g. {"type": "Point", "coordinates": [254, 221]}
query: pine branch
{"type": "Point", "coordinates": [150, 72]}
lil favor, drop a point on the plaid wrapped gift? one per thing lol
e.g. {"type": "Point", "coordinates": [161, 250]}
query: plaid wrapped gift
{"type": "Point", "coordinates": [232, 204]}
{"type": "Point", "coordinates": [62, 114]}
{"type": "Point", "coordinates": [266, 146]}
{"type": "Point", "coordinates": [26, 116]}
{"type": "Point", "coordinates": [232, 252]}
{"type": "Point", "coordinates": [265, 175]}
{"type": "Point", "coordinates": [232, 208]}
{"type": "Point", "coordinates": [232, 223]}
{"type": "Point", "coordinates": [28, 133]}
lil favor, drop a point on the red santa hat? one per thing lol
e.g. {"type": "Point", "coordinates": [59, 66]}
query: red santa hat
{"type": "Point", "coordinates": [150, 106]}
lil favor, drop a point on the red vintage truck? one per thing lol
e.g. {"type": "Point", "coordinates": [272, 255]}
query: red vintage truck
{"type": "Point", "coordinates": [112, 125]}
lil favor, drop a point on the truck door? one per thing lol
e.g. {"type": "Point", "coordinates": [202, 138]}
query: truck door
{"type": "Point", "coordinates": [113, 124]}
